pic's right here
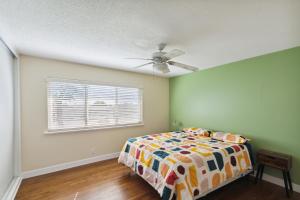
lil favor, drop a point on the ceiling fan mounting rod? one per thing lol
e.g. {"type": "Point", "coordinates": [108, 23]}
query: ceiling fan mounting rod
{"type": "Point", "coordinates": [161, 46]}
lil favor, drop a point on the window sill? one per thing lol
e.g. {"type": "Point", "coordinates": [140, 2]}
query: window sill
{"type": "Point", "coordinates": [90, 129]}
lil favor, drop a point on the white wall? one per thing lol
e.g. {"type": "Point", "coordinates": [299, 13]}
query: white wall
{"type": "Point", "coordinates": [41, 150]}
{"type": "Point", "coordinates": [6, 118]}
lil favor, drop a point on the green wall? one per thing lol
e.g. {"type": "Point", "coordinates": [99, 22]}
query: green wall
{"type": "Point", "coordinates": [257, 97]}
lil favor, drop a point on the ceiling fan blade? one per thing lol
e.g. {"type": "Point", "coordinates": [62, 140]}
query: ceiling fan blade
{"type": "Point", "coordinates": [139, 58]}
{"type": "Point", "coordinates": [184, 66]}
{"type": "Point", "coordinates": [143, 65]}
{"type": "Point", "coordinates": [174, 53]}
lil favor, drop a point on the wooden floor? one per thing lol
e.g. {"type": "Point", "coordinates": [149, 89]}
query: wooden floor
{"type": "Point", "coordinates": [110, 180]}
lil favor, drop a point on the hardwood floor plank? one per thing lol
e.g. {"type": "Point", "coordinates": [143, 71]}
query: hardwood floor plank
{"type": "Point", "coordinates": [110, 180]}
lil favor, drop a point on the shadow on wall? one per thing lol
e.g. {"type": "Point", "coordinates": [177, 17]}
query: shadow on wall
{"type": "Point", "coordinates": [177, 125]}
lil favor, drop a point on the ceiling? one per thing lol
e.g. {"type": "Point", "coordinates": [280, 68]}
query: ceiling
{"type": "Point", "coordinates": [104, 32]}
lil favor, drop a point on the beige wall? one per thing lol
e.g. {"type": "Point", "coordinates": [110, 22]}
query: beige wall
{"type": "Point", "coordinates": [42, 150]}
{"type": "Point", "coordinates": [6, 118]}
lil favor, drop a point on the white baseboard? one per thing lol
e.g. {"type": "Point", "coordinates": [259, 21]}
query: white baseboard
{"type": "Point", "coordinates": [12, 190]}
{"type": "Point", "coordinates": [279, 181]}
{"type": "Point", "coordinates": [68, 165]}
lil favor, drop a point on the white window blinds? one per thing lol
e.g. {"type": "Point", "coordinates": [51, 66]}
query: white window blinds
{"type": "Point", "coordinates": [84, 106]}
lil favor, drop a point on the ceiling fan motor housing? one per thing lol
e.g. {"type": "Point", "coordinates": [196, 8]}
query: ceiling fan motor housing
{"type": "Point", "coordinates": [158, 57]}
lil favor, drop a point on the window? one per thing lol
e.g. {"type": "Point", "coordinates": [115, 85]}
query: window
{"type": "Point", "coordinates": [74, 105]}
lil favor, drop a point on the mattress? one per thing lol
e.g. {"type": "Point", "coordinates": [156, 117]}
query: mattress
{"type": "Point", "coordinates": [186, 165]}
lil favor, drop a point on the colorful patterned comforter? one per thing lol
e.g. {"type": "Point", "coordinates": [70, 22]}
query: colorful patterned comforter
{"type": "Point", "coordinates": [186, 164]}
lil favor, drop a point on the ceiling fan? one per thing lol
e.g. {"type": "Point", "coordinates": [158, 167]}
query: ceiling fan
{"type": "Point", "coordinates": [161, 60]}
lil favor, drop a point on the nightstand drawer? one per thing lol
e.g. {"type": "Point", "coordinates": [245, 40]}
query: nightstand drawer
{"type": "Point", "coordinates": [273, 161]}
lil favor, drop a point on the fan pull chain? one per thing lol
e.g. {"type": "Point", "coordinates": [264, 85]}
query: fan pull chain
{"type": "Point", "coordinates": [153, 72]}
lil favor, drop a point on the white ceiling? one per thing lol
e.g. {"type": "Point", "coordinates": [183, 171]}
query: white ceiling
{"type": "Point", "coordinates": [104, 32]}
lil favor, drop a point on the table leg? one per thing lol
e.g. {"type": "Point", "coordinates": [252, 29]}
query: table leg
{"type": "Point", "coordinates": [285, 183]}
{"type": "Point", "coordinates": [257, 173]}
{"type": "Point", "coordinates": [289, 180]}
{"type": "Point", "coordinates": [261, 172]}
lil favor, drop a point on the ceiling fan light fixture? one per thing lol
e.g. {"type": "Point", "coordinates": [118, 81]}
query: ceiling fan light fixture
{"type": "Point", "coordinates": [162, 67]}
{"type": "Point", "coordinates": [166, 70]}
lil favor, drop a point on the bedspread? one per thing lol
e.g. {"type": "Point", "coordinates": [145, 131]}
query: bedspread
{"type": "Point", "coordinates": [185, 164]}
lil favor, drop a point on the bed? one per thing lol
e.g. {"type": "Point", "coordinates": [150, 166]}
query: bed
{"type": "Point", "coordinates": [186, 165]}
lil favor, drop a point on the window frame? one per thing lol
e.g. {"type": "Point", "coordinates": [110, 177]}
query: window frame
{"type": "Point", "coordinates": [92, 128]}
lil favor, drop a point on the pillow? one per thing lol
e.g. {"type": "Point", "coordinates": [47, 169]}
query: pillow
{"type": "Point", "coordinates": [229, 137]}
{"type": "Point", "coordinates": [200, 131]}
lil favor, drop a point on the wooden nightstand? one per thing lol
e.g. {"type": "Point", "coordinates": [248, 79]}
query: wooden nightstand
{"type": "Point", "coordinates": [276, 160]}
